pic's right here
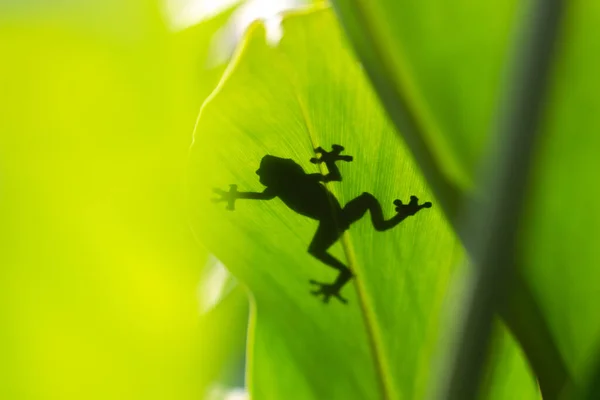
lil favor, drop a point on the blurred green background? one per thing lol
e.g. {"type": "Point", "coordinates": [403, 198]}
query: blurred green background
{"type": "Point", "coordinates": [100, 274]}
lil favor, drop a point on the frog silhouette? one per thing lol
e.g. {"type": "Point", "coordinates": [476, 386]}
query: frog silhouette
{"type": "Point", "coordinates": [307, 195]}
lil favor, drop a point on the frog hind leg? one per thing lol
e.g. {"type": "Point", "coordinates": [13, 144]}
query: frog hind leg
{"type": "Point", "coordinates": [327, 234]}
{"type": "Point", "coordinates": [356, 209]}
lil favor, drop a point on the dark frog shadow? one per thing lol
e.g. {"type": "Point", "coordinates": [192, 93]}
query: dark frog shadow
{"type": "Point", "coordinates": [307, 195]}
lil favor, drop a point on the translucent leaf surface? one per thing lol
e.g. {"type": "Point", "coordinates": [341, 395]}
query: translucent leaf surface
{"type": "Point", "coordinates": [285, 100]}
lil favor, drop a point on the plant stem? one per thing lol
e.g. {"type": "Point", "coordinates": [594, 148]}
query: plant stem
{"type": "Point", "coordinates": [493, 225]}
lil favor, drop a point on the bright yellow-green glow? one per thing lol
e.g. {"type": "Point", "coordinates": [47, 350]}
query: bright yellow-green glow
{"type": "Point", "coordinates": [98, 268]}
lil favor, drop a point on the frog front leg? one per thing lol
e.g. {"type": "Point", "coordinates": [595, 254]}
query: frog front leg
{"type": "Point", "coordinates": [232, 195]}
{"type": "Point", "coordinates": [330, 158]}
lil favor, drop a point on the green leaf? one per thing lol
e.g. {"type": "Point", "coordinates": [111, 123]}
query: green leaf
{"type": "Point", "coordinates": [507, 372]}
{"type": "Point", "coordinates": [285, 100]}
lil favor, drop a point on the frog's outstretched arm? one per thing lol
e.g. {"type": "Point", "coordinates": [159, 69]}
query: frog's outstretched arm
{"type": "Point", "coordinates": [231, 196]}
{"type": "Point", "coordinates": [329, 158]}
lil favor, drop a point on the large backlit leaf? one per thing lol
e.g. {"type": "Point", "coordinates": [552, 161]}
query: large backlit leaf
{"type": "Point", "coordinates": [285, 100]}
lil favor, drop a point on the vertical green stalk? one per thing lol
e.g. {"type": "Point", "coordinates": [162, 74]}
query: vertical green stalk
{"type": "Point", "coordinates": [493, 224]}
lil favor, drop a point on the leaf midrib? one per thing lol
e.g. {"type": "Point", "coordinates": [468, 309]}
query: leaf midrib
{"type": "Point", "coordinates": [367, 310]}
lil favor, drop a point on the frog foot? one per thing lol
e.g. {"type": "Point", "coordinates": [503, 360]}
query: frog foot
{"type": "Point", "coordinates": [330, 156]}
{"type": "Point", "coordinates": [412, 207]}
{"type": "Point", "coordinates": [327, 290]}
